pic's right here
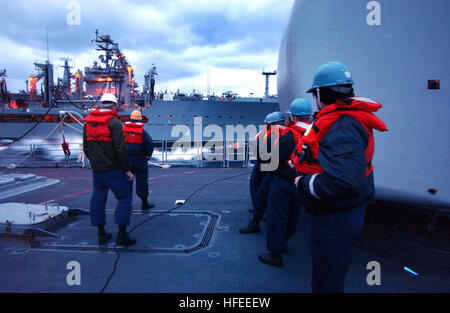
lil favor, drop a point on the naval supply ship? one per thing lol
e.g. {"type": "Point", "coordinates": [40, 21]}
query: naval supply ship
{"type": "Point", "coordinates": [190, 242]}
{"type": "Point", "coordinates": [30, 118]}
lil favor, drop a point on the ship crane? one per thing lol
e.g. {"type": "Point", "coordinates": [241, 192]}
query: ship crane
{"type": "Point", "coordinates": [45, 71]}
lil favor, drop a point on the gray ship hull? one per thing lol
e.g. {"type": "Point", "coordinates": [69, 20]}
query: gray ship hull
{"type": "Point", "coordinates": [395, 51]}
{"type": "Point", "coordinates": [162, 116]}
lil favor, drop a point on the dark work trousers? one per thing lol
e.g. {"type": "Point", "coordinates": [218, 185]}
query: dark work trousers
{"type": "Point", "coordinates": [117, 182]}
{"type": "Point", "coordinates": [283, 211]}
{"type": "Point", "coordinates": [139, 168]}
{"type": "Point", "coordinates": [259, 190]}
{"type": "Point", "coordinates": [255, 180]}
{"type": "Point", "coordinates": [331, 238]}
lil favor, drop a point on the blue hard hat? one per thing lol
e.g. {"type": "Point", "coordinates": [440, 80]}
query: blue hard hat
{"type": "Point", "coordinates": [331, 74]}
{"type": "Point", "coordinates": [274, 117]}
{"type": "Point", "coordinates": [300, 107]}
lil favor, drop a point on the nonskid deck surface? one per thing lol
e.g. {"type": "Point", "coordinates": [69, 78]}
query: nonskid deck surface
{"type": "Point", "coordinates": [195, 248]}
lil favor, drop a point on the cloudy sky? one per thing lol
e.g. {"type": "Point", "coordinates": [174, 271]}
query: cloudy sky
{"type": "Point", "coordinates": [234, 39]}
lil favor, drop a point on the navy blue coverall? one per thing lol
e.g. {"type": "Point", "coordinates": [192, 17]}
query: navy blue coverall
{"type": "Point", "coordinates": [259, 190]}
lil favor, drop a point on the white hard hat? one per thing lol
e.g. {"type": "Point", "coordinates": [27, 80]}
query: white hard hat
{"type": "Point", "coordinates": [108, 97]}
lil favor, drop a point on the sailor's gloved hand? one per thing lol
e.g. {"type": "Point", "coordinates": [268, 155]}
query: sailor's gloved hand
{"type": "Point", "coordinates": [291, 164]}
{"type": "Point", "coordinates": [130, 175]}
{"type": "Point", "coordinates": [297, 179]}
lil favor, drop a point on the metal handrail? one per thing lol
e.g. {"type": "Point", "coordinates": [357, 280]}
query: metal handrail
{"type": "Point", "coordinates": [51, 154]}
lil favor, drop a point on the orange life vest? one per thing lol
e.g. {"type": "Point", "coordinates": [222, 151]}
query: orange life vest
{"type": "Point", "coordinates": [133, 132]}
{"type": "Point", "coordinates": [278, 131]}
{"type": "Point", "coordinates": [299, 127]}
{"type": "Point", "coordinates": [97, 124]}
{"type": "Point", "coordinates": [306, 156]}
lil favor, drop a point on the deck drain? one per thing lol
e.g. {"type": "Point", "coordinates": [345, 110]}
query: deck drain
{"type": "Point", "coordinates": [226, 211]}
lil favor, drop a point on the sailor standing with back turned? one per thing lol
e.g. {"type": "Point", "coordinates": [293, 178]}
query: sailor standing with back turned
{"type": "Point", "coordinates": [140, 149]}
{"type": "Point", "coordinates": [104, 145]}
{"type": "Point", "coordinates": [259, 181]}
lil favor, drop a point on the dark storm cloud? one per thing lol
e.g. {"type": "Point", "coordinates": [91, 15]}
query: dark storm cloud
{"type": "Point", "coordinates": [176, 35]}
{"type": "Point", "coordinates": [260, 29]}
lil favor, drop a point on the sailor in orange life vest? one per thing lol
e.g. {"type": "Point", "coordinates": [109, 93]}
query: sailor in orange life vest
{"type": "Point", "coordinates": [300, 113]}
{"type": "Point", "coordinates": [281, 202]}
{"type": "Point", "coordinates": [104, 145]}
{"type": "Point", "coordinates": [299, 120]}
{"type": "Point", "coordinates": [140, 149]}
{"type": "Point", "coordinates": [259, 181]}
{"type": "Point", "coordinates": [335, 163]}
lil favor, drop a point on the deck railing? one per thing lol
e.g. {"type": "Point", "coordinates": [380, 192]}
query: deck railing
{"type": "Point", "coordinates": [174, 153]}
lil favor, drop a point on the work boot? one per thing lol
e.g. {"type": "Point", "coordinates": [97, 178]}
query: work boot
{"type": "Point", "coordinates": [123, 239]}
{"type": "Point", "coordinates": [251, 228]}
{"type": "Point", "coordinates": [147, 206]}
{"type": "Point", "coordinates": [271, 259]}
{"type": "Point", "coordinates": [103, 236]}
{"type": "Point", "coordinates": [102, 239]}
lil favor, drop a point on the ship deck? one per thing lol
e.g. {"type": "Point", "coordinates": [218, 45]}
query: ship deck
{"type": "Point", "coordinates": [196, 248]}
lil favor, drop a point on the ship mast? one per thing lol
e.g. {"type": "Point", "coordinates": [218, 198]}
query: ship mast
{"type": "Point", "coordinates": [268, 74]}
